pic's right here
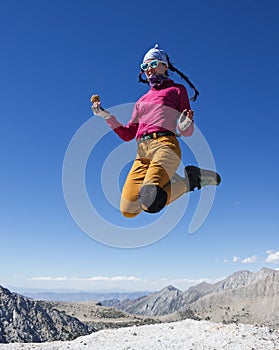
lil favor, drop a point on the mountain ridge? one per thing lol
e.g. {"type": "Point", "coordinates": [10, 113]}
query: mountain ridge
{"type": "Point", "coordinates": [235, 298]}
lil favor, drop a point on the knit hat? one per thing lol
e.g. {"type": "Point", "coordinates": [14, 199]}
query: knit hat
{"type": "Point", "coordinates": [156, 53]}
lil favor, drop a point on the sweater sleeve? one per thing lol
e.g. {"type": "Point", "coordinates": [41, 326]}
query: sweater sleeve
{"type": "Point", "coordinates": [125, 132]}
{"type": "Point", "coordinates": [184, 103]}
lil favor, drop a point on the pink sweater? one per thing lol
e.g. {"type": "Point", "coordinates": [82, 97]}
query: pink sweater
{"type": "Point", "coordinates": [155, 111]}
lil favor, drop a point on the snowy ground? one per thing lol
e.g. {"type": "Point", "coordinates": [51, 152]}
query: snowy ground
{"type": "Point", "coordinates": [184, 335]}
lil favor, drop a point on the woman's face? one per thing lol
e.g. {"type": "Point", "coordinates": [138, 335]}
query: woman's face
{"type": "Point", "coordinates": [160, 69]}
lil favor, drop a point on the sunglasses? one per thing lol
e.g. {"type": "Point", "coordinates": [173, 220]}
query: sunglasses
{"type": "Point", "coordinates": [151, 64]}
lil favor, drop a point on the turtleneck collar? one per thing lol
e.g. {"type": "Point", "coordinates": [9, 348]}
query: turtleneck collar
{"type": "Point", "coordinates": [161, 83]}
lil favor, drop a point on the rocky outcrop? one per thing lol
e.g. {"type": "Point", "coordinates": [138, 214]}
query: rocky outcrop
{"type": "Point", "coordinates": [24, 320]}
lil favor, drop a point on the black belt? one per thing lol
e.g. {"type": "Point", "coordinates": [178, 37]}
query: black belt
{"type": "Point", "coordinates": [155, 135]}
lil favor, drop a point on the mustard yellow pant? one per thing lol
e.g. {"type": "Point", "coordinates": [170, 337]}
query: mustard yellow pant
{"type": "Point", "coordinates": [156, 163]}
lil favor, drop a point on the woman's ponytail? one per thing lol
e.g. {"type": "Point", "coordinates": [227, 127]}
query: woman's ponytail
{"type": "Point", "coordinates": [183, 76]}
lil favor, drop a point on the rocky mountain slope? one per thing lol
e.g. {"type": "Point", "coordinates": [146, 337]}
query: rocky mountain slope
{"type": "Point", "coordinates": [255, 301]}
{"type": "Point", "coordinates": [160, 303]}
{"type": "Point", "coordinates": [24, 320]}
{"type": "Point", "coordinates": [242, 297]}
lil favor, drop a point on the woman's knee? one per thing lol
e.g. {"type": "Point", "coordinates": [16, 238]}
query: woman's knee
{"type": "Point", "coordinates": [152, 198]}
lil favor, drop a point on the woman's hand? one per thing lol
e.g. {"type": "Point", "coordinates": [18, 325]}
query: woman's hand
{"type": "Point", "coordinates": [185, 119]}
{"type": "Point", "coordinates": [97, 109]}
{"type": "Point", "coordinates": [189, 113]}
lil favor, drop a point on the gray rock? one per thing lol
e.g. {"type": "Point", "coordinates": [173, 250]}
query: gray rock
{"type": "Point", "coordinates": [25, 320]}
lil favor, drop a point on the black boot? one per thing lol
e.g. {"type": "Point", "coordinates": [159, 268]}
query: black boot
{"type": "Point", "coordinates": [199, 178]}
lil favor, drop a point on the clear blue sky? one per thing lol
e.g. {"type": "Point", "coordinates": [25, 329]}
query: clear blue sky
{"type": "Point", "coordinates": [55, 54]}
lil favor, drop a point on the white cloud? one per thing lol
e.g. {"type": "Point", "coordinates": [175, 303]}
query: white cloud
{"type": "Point", "coordinates": [272, 257]}
{"type": "Point", "coordinates": [48, 278]}
{"type": "Point", "coordinates": [111, 279]}
{"type": "Point", "coordinates": [249, 260]}
{"type": "Point", "coordinates": [88, 279]}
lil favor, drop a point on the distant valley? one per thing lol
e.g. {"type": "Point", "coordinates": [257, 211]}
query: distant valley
{"type": "Point", "coordinates": [82, 296]}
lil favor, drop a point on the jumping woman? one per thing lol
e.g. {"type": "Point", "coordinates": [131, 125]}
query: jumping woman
{"type": "Point", "coordinates": [158, 118]}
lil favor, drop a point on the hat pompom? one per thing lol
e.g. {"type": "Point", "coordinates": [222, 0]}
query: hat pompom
{"type": "Point", "coordinates": [156, 53]}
